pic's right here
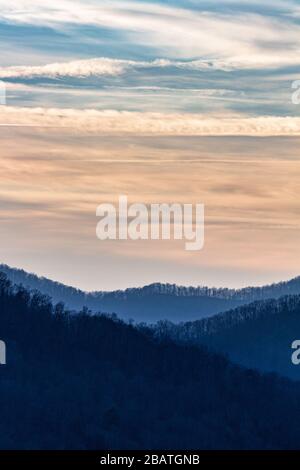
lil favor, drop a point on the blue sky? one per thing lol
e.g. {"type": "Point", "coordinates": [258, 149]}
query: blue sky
{"type": "Point", "coordinates": [189, 56]}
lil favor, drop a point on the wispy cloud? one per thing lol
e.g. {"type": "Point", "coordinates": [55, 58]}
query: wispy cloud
{"type": "Point", "coordinates": [241, 47]}
{"type": "Point", "coordinates": [100, 93]}
{"type": "Point", "coordinates": [118, 123]}
{"type": "Point", "coordinates": [104, 66]}
{"type": "Point", "coordinates": [78, 68]}
{"type": "Point", "coordinates": [52, 182]}
{"type": "Point", "coordinates": [242, 38]}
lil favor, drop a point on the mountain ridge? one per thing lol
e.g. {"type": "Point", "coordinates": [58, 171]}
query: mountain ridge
{"type": "Point", "coordinates": [153, 302]}
{"type": "Point", "coordinates": [171, 288]}
{"type": "Point", "coordinates": [92, 382]}
{"type": "Point", "coordinates": [258, 335]}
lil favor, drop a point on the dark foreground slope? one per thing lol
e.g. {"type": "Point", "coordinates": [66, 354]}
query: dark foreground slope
{"type": "Point", "coordinates": [258, 335]}
{"type": "Point", "coordinates": [88, 382]}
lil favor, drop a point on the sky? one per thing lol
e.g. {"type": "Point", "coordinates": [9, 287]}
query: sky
{"type": "Point", "coordinates": [163, 101]}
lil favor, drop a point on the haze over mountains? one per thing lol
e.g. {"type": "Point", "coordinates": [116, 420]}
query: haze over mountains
{"type": "Point", "coordinates": [171, 376]}
{"type": "Point", "coordinates": [154, 302]}
{"type": "Point", "coordinates": [90, 382]}
{"type": "Point", "coordinates": [258, 335]}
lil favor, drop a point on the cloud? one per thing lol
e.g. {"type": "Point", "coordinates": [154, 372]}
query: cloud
{"type": "Point", "coordinates": [70, 160]}
{"type": "Point", "coordinates": [241, 38]}
{"type": "Point", "coordinates": [251, 196]}
{"type": "Point", "coordinates": [111, 122]}
{"type": "Point", "coordinates": [108, 67]}
{"type": "Point", "coordinates": [102, 66]}
{"type": "Point", "coordinates": [77, 68]}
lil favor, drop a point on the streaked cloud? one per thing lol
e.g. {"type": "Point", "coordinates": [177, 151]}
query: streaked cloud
{"type": "Point", "coordinates": [178, 100]}
{"type": "Point", "coordinates": [118, 123]}
{"type": "Point", "coordinates": [230, 56]}
{"type": "Point", "coordinates": [240, 39]}
{"type": "Point", "coordinates": [78, 68]}
{"type": "Point", "coordinates": [103, 66]}
{"type": "Point", "coordinates": [53, 179]}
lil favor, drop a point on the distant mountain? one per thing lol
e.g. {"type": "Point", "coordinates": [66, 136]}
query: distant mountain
{"type": "Point", "coordinates": [156, 301]}
{"type": "Point", "coordinates": [147, 304]}
{"type": "Point", "coordinates": [88, 382]}
{"type": "Point", "coordinates": [258, 335]}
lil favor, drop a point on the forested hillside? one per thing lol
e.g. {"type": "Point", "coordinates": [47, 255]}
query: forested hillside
{"type": "Point", "coordinates": [258, 335]}
{"type": "Point", "coordinates": [147, 304]}
{"type": "Point", "coordinates": [156, 301]}
{"type": "Point", "coordinates": [91, 382]}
